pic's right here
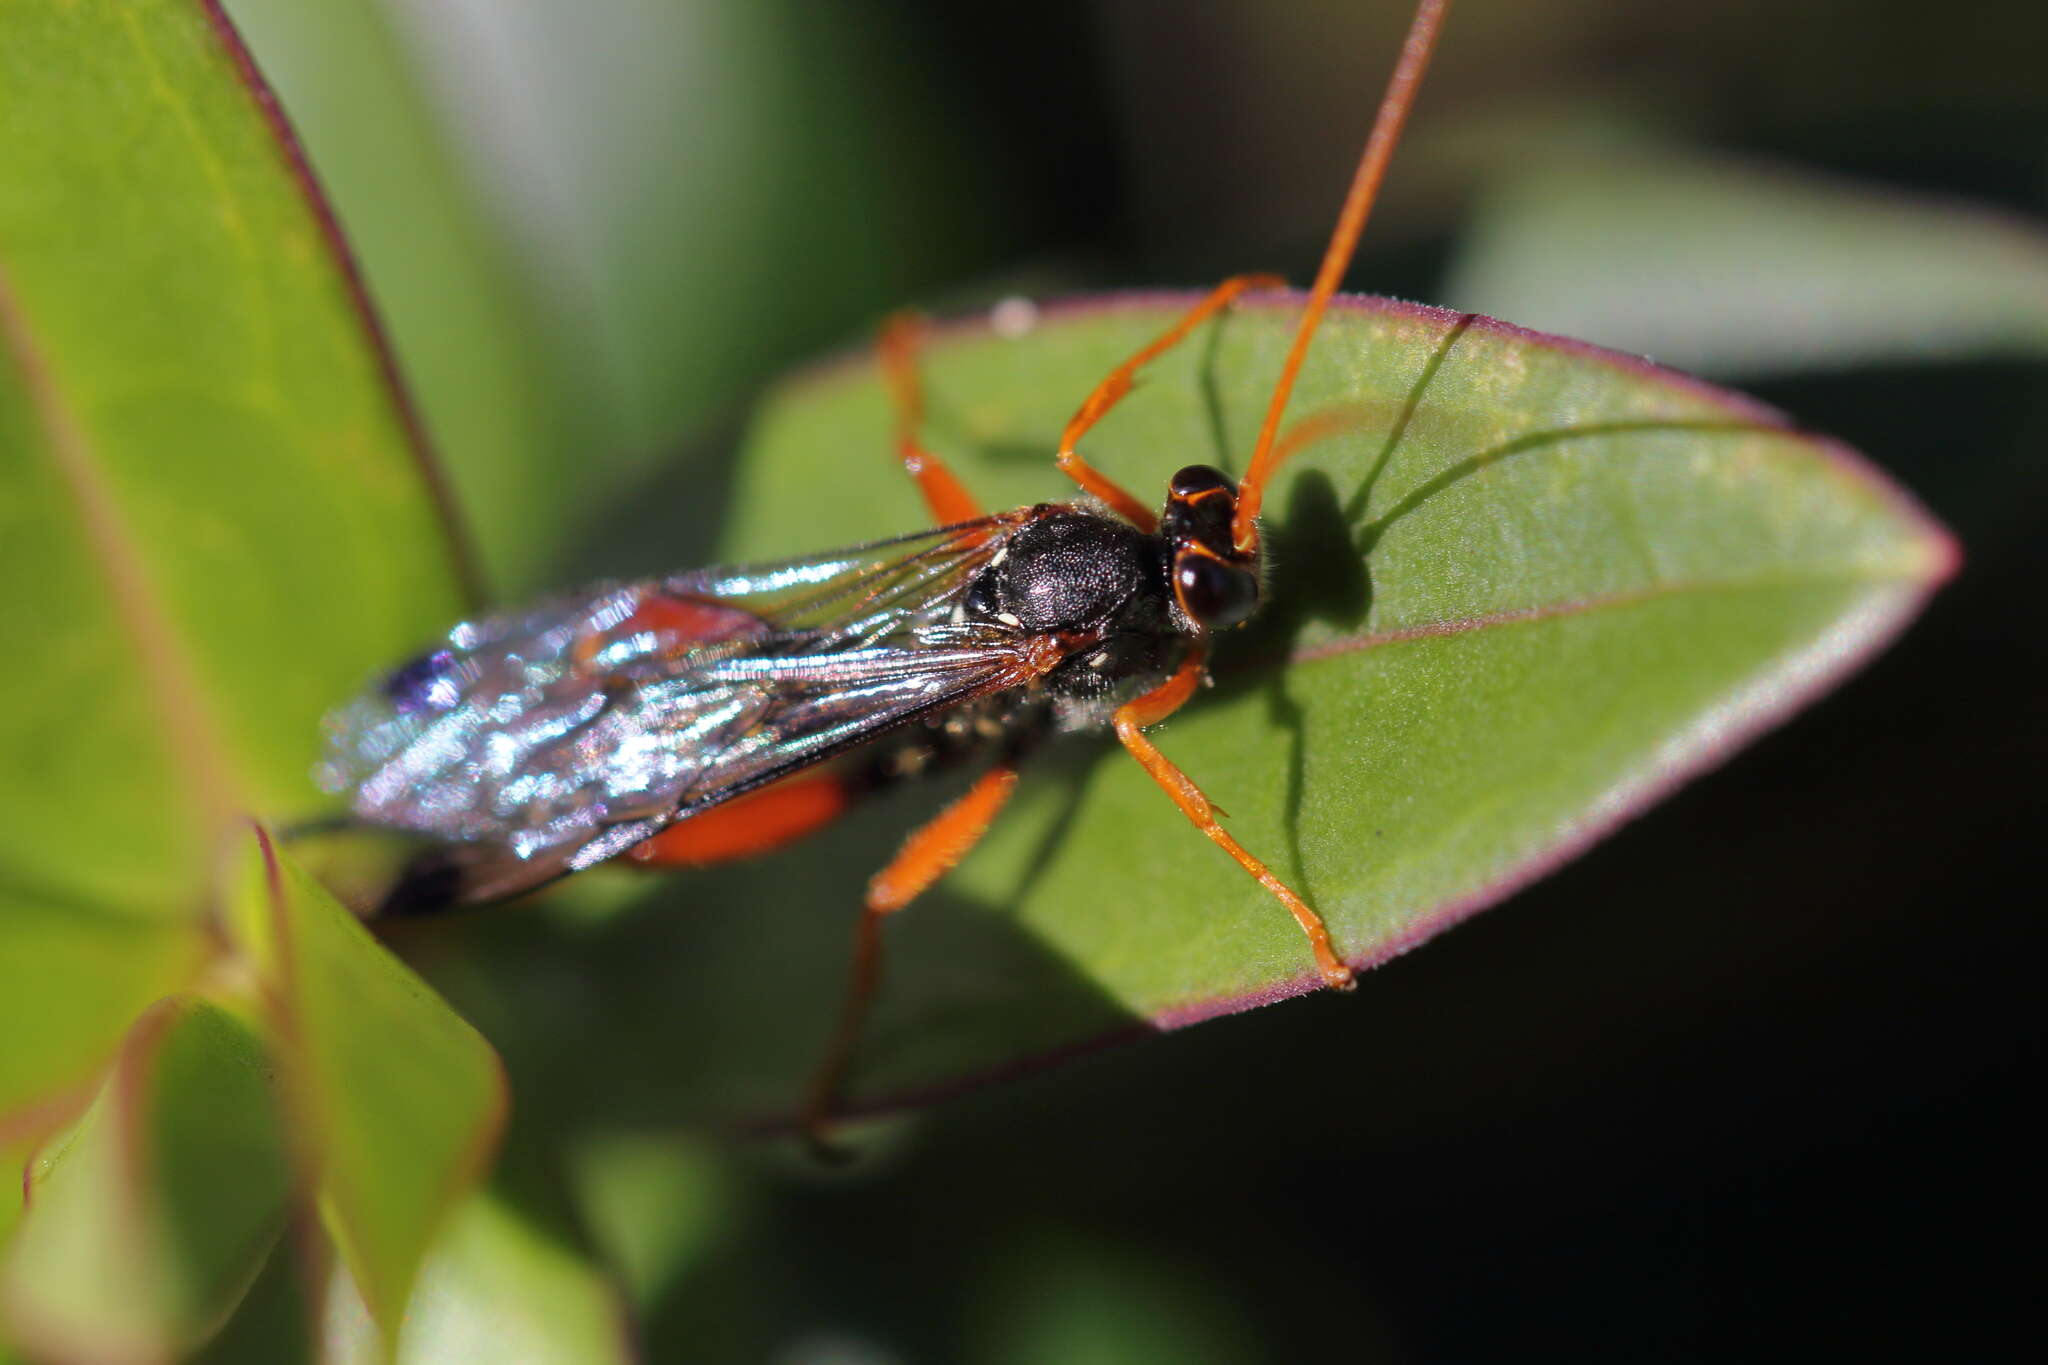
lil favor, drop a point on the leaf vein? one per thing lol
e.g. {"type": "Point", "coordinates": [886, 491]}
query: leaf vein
{"type": "Point", "coordinates": [171, 680]}
{"type": "Point", "coordinates": [1550, 611]}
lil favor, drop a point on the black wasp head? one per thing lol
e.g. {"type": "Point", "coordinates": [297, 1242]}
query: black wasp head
{"type": "Point", "coordinates": [1216, 583]}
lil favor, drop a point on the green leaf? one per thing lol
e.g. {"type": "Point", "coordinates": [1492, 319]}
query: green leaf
{"type": "Point", "coordinates": [1536, 587]}
{"type": "Point", "coordinates": [399, 1100]}
{"type": "Point", "coordinates": [16, 1148]}
{"type": "Point", "coordinates": [274, 1323]}
{"type": "Point", "coordinates": [583, 222]}
{"type": "Point", "coordinates": [1741, 268]}
{"type": "Point", "coordinates": [1067, 1300]}
{"type": "Point", "coordinates": [659, 1206]}
{"type": "Point", "coordinates": [497, 1286]}
{"type": "Point", "coordinates": [200, 456]}
{"type": "Point", "coordinates": [149, 1219]}
{"type": "Point", "coordinates": [472, 347]}
{"type": "Point", "coordinates": [76, 977]}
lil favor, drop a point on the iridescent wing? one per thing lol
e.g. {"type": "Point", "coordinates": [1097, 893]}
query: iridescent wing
{"type": "Point", "coordinates": [553, 738]}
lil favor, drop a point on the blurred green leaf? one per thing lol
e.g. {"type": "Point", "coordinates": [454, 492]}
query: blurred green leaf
{"type": "Point", "coordinates": [150, 1218]}
{"type": "Point", "coordinates": [664, 169]}
{"type": "Point", "coordinates": [76, 977]}
{"type": "Point", "coordinates": [474, 348]}
{"type": "Point", "coordinates": [496, 1286]}
{"type": "Point", "coordinates": [658, 1206]}
{"type": "Point", "coordinates": [1064, 1300]}
{"type": "Point", "coordinates": [584, 222]}
{"type": "Point", "coordinates": [1538, 585]}
{"type": "Point", "coordinates": [1741, 269]}
{"type": "Point", "coordinates": [274, 1323]}
{"type": "Point", "coordinates": [199, 457]}
{"type": "Point", "coordinates": [400, 1101]}
{"type": "Point", "coordinates": [15, 1151]}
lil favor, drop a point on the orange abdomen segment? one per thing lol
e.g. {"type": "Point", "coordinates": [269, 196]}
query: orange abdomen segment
{"type": "Point", "coordinates": [758, 822]}
{"type": "Point", "coordinates": [694, 620]}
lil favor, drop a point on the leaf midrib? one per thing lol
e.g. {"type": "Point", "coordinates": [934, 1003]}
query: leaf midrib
{"type": "Point", "coordinates": [190, 729]}
{"type": "Point", "coordinates": [1551, 611]}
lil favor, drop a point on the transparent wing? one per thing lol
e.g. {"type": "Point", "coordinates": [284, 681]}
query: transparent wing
{"type": "Point", "coordinates": [563, 734]}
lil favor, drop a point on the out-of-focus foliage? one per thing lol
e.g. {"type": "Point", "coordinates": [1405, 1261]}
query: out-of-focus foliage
{"type": "Point", "coordinates": [1739, 270]}
{"type": "Point", "coordinates": [217, 515]}
{"type": "Point", "coordinates": [398, 1102]}
{"type": "Point", "coordinates": [499, 1286]}
{"type": "Point", "coordinates": [202, 461]}
{"type": "Point", "coordinates": [149, 1218]}
{"type": "Point", "coordinates": [594, 238]}
{"type": "Point", "coordinates": [588, 224]}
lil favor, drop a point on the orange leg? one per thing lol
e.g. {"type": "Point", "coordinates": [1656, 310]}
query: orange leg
{"type": "Point", "coordinates": [926, 855]}
{"type": "Point", "coordinates": [943, 493]}
{"type": "Point", "coordinates": [1112, 389]}
{"type": "Point", "coordinates": [1155, 706]}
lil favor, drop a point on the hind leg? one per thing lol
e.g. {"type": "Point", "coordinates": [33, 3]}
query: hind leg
{"type": "Point", "coordinates": [926, 855]}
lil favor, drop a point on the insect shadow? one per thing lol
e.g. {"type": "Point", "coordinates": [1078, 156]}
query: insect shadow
{"type": "Point", "coordinates": [1318, 572]}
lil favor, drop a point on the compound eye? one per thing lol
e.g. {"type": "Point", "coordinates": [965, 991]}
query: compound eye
{"type": "Point", "coordinates": [1215, 593]}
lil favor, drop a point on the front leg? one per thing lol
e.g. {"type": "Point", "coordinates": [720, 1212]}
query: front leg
{"type": "Point", "coordinates": [1155, 706]}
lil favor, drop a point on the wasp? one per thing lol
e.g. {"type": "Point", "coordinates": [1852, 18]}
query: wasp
{"type": "Point", "coordinates": [722, 712]}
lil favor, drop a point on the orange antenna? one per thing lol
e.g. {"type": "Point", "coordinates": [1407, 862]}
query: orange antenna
{"type": "Point", "coordinates": [1365, 188]}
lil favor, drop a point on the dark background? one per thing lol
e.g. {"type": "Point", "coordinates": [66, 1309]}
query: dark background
{"type": "Point", "coordinates": [1751, 1076]}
